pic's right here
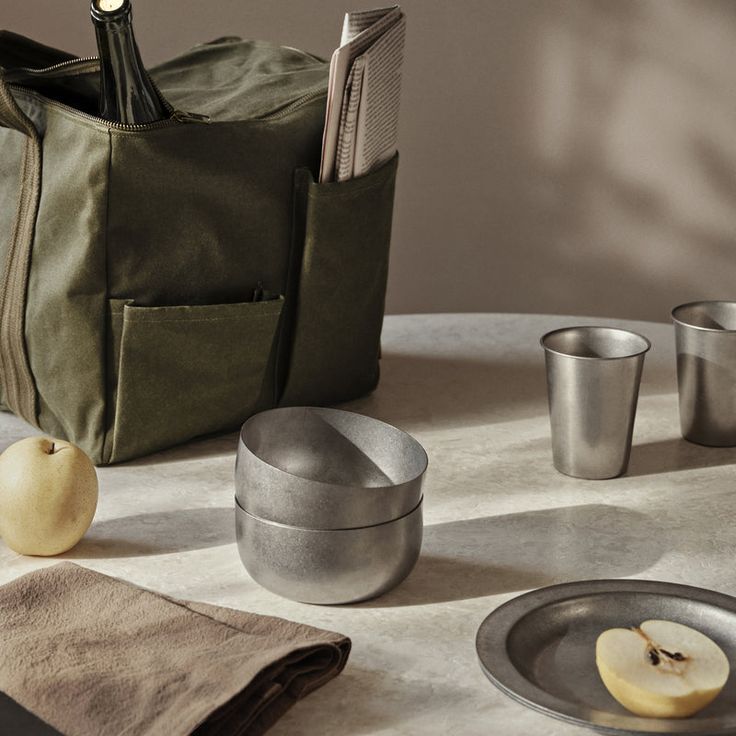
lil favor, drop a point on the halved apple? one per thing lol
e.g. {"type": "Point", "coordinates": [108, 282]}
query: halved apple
{"type": "Point", "coordinates": [661, 669]}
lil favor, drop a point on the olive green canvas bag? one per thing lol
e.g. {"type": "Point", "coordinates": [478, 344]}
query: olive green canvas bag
{"type": "Point", "coordinates": [165, 281]}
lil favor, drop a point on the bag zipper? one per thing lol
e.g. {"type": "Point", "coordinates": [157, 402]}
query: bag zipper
{"type": "Point", "coordinates": [313, 94]}
{"type": "Point", "coordinates": [59, 69]}
{"type": "Point", "coordinates": [20, 391]}
{"type": "Point", "coordinates": [89, 64]}
{"type": "Point", "coordinates": [177, 116]}
{"type": "Point", "coordinates": [18, 385]}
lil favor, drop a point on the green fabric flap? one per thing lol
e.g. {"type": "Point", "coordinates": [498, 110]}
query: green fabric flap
{"type": "Point", "coordinates": [186, 371]}
{"type": "Point", "coordinates": [342, 287]}
{"type": "Point", "coordinates": [240, 80]}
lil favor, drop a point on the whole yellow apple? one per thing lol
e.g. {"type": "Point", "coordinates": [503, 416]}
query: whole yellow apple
{"type": "Point", "coordinates": [48, 496]}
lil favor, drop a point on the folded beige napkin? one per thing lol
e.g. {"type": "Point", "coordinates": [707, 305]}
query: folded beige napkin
{"type": "Point", "coordinates": [92, 655]}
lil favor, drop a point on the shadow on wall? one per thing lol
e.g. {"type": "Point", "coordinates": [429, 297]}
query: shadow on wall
{"type": "Point", "coordinates": [587, 165]}
{"type": "Point", "coordinates": [565, 156]}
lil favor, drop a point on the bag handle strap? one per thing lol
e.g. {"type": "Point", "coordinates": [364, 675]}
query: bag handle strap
{"type": "Point", "coordinates": [11, 116]}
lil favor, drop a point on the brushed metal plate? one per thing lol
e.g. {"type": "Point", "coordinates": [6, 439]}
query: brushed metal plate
{"type": "Point", "coordinates": [539, 648]}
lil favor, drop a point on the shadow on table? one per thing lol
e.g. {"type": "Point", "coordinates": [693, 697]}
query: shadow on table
{"type": "Point", "coordinates": [503, 554]}
{"type": "Point", "coordinates": [457, 388]}
{"type": "Point", "coordinates": [362, 701]}
{"type": "Point", "coordinates": [157, 533]}
{"type": "Point", "coordinates": [17, 721]}
{"type": "Point", "coordinates": [472, 390]}
{"type": "Point", "coordinates": [216, 445]}
{"type": "Point", "coordinates": [671, 455]}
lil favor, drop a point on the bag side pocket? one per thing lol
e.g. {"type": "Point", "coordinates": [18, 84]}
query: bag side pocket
{"type": "Point", "coordinates": [341, 290]}
{"type": "Point", "coordinates": [179, 372]}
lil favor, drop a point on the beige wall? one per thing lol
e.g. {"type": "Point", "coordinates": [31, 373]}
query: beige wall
{"type": "Point", "coordinates": [570, 157]}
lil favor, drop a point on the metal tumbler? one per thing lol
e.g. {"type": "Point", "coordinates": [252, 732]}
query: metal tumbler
{"type": "Point", "coordinates": [593, 376]}
{"type": "Point", "coordinates": [705, 336]}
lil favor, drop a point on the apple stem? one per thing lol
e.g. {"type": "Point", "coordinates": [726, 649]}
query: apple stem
{"type": "Point", "coordinates": [52, 448]}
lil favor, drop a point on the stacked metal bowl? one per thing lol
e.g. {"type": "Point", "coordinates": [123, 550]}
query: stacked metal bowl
{"type": "Point", "coordinates": [328, 504]}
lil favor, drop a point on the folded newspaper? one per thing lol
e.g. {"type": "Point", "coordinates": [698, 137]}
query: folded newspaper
{"type": "Point", "coordinates": [361, 123]}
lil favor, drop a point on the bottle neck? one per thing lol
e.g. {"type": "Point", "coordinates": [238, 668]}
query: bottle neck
{"type": "Point", "coordinates": [127, 94]}
{"type": "Point", "coordinates": [110, 11]}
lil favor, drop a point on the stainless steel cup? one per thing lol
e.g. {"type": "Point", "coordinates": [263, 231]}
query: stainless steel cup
{"type": "Point", "coordinates": [705, 335]}
{"type": "Point", "coordinates": [593, 376]}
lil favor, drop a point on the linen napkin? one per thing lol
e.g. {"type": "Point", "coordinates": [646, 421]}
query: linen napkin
{"type": "Point", "coordinates": [90, 655]}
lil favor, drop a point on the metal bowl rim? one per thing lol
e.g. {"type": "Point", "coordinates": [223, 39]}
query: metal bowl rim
{"type": "Point", "coordinates": [239, 508]}
{"type": "Point", "coordinates": [324, 484]}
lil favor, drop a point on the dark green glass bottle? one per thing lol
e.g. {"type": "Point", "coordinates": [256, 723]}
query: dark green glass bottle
{"type": "Point", "coordinates": [127, 94]}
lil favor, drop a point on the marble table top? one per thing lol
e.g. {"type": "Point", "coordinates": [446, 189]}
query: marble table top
{"type": "Point", "coordinates": [499, 521]}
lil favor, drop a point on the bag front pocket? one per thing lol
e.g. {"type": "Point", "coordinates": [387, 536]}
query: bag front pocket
{"type": "Point", "coordinates": [175, 373]}
{"type": "Point", "coordinates": [339, 286]}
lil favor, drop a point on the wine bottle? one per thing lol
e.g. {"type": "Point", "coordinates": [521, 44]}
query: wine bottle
{"type": "Point", "coordinates": [127, 94]}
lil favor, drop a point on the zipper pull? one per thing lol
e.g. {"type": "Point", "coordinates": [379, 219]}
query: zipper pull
{"type": "Point", "coordinates": [190, 117]}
